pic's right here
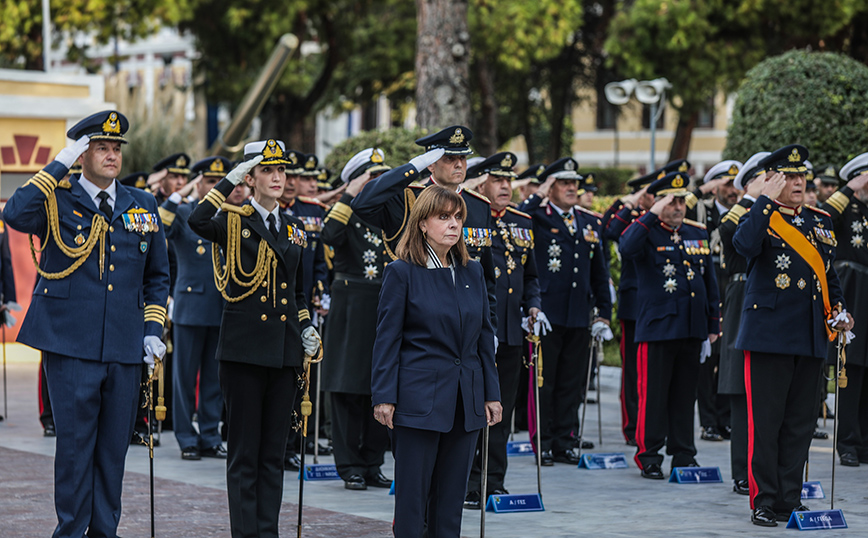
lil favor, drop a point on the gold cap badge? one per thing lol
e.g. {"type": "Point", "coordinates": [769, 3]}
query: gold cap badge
{"type": "Point", "coordinates": [377, 156]}
{"type": "Point", "coordinates": [678, 181]}
{"type": "Point", "coordinates": [216, 166]}
{"type": "Point", "coordinates": [733, 170]}
{"type": "Point", "coordinates": [506, 162]}
{"type": "Point", "coordinates": [112, 125]}
{"type": "Point", "coordinates": [272, 150]}
{"type": "Point", "coordinates": [794, 157]}
{"type": "Point", "coordinates": [457, 138]}
{"type": "Point", "coordinates": [683, 167]}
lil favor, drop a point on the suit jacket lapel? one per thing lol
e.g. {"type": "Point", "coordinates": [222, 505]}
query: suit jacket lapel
{"type": "Point", "coordinates": [124, 201]}
{"type": "Point", "coordinates": [81, 196]}
{"type": "Point", "coordinates": [255, 222]}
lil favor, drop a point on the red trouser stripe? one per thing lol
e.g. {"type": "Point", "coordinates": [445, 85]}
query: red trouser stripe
{"type": "Point", "coordinates": [642, 386]}
{"type": "Point", "coordinates": [624, 418]}
{"type": "Point", "coordinates": [750, 430]}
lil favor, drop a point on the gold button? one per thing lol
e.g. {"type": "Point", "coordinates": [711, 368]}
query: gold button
{"type": "Point", "coordinates": [384, 252]}
{"type": "Point", "coordinates": [283, 317]}
{"type": "Point", "coordinates": [667, 260]}
{"type": "Point", "coordinates": [768, 206]}
{"type": "Point", "coordinates": [110, 288]}
{"type": "Point", "coordinates": [199, 242]}
{"type": "Point", "coordinates": [283, 285]}
{"type": "Point", "coordinates": [45, 290]}
{"type": "Point", "coordinates": [264, 317]}
{"type": "Point", "coordinates": [112, 267]}
{"type": "Point", "coordinates": [815, 297]}
{"type": "Point", "coordinates": [765, 211]}
{"type": "Point", "coordinates": [510, 290]}
{"type": "Point", "coordinates": [283, 301]}
{"type": "Point", "coordinates": [78, 227]}
{"type": "Point", "coordinates": [264, 283]}
{"type": "Point", "coordinates": [681, 247]}
{"type": "Point", "coordinates": [113, 248]}
{"type": "Point", "coordinates": [754, 307]}
{"type": "Point", "coordinates": [189, 288]}
{"type": "Point", "coordinates": [692, 294]}
{"type": "Point", "coordinates": [509, 271]}
{"type": "Point", "coordinates": [263, 298]}
{"type": "Point", "coordinates": [111, 228]}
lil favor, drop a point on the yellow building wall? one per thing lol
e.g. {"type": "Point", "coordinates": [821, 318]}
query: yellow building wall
{"type": "Point", "coordinates": [26, 145]}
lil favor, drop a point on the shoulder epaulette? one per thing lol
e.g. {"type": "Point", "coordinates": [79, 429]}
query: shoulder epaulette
{"type": "Point", "coordinates": [313, 201]}
{"type": "Point", "coordinates": [589, 212]}
{"type": "Point", "coordinates": [818, 210]}
{"type": "Point", "coordinates": [418, 185]}
{"type": "Point", "coordinates": [64, 184]}
{"type": "Point", "coordinates": [694, 223]}
{"type": "Point", "coordinates": [477, 195]}
{"type": "Point", "coordinates": [519, 213]}
{"type": "Point", "coordinates": [245, 210]}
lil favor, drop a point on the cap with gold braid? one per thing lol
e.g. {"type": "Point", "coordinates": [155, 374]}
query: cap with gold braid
{"type": "Point", "coordinates": [788, 159]}
{"type": "Point", "coordinates": [212, 167]}
{"type": "Point", "coordinates": [675, 184]}
{"type": "Point", "coordinates": [723, 169]}
{"type": "Point", "coordinates": [178, 163]}
{"type": "Point", "coordinates": [272, 151]}
{"type": "Point", "coordinates": [310, 166]}
{"type": "Point", "coordinates": [680, 165]}
{"type": "Point", "coordinates": [296, 162]}
{"type": "Point", "coordinates": [138, 180]}
{"type": "Point", "coordinates": [750, 170]}
{"type": "Point", "coordinates": [533, 172]}
{"type": "Point", "coordinates": [369, 159]}
{"type": "Point", "coordinates": [105, 125]}
{"type": "Point", "coordinates": [454, 140]}
{"type": "Point", "coordinates": [499, 164]}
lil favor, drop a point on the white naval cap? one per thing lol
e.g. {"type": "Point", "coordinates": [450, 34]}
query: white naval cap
{"type": "Point", "coordinates": [727, 169]}
{"type": "Point", "coordinates": [750, 169]}
{"type": "Point", "coordinates": [473, 161]}
{"type": "Point", "coordinates": [273, 151]}
{"type": "Point", "coordinates": [856, 167]}
{"type": "Point", "coordinates": [368, 159]}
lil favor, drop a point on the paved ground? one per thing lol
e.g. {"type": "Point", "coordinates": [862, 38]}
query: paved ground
{"type": "Point", "coordinates": [191, 497]}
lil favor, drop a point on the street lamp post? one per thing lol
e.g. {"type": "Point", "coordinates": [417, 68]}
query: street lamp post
{"type": "Point", "coordinates": [648, 92]}
{"type": "Point", "coordinates": [46, 36]}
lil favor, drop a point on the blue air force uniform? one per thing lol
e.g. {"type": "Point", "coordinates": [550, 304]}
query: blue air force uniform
{"type": "Point", "coordinates": [573, 279]}
{"type": "Point", "coordinates": [90, 321]}
{"type": "Point", "coordinates": [782, 368]}
{"type": "Point", "coordinates": [677, 309]}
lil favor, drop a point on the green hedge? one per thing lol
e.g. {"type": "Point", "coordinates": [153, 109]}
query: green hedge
{"type": "Point", "coordinates": [817, 99]}
{"type": "Point", "coordinates": [611, 181]}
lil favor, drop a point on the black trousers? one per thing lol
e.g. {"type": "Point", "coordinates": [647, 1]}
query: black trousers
{"type": "Point", "coordinates": [45, 415]}
{"type": "Point", "coordinates": [629, 393]}
{"type": "Point", "coordinates": [360, 442]}
{"type": "Point", "coordinates": [738, 441]}
{"type": "Point", "coordinates": [713, 407]}
{"type": "Point", "coordinates": [258, 409]}
{"type": "Point", "coordinates": [853, 414]}
{"type": "Point", "coordinates": [566, 355]}
{"type": "Point", "coordinates": [667, 373]}
{"type": "Point", "coordinates": [782, 413]}
{"type": "Point", "coordinates": [509, 367]}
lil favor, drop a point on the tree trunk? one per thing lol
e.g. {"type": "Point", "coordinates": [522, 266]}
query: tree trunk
{"type": "Point", "coordinates": [683, 135]}
{"type": "Point", "coordinates": [527, 127]}
{"type": "Point", "coordinates": [487, 129]}
{"type": "Point", "coordinates": [442, 63]}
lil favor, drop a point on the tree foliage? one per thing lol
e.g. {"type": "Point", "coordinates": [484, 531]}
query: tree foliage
{"type": "Point", "coordinates": [399, 145]}
{"type": "Point", "coordinates": [819, 100]}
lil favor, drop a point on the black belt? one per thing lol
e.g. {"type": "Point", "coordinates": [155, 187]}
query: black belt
{"type": "Point", "coordinates": [357, 279]}
{"type": "Point", "coordinates": [738, 277]}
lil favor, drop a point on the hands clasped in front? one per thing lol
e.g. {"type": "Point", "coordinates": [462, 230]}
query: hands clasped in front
{"type": "Point", "coordinates": [385, 413]}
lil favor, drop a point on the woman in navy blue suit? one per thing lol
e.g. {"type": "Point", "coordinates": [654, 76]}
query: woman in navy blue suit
{"type": "Point", "coordinates": [434, 382]}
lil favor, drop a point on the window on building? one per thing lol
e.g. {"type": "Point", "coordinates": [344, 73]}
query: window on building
{"type": "Point", "coordinates": [706, 115]}
{"type": "Point", "coordinates": [646, 117]}
{"type": "Point", "coordinates": [607, 113]}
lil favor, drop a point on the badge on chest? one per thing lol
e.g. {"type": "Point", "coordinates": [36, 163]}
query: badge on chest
{"type": "Point", "coordinates": [140, 221]}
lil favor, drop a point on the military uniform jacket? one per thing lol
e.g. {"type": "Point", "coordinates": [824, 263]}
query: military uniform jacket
{"type": "Point", "coordinates": [264, 328]}
{"type": "Point", "coordinates": [316, 272]}
{"type": "Point", "coordinates": [677, 294]}
{"type": "Point", "coordinates": [197, 300]}
{"type": "Point", "coordinates": [7, 275]}
{"type": "Point", "coordinates": [88, 315]}
{"type": "Point", "coordinates": [572, 274]}
{"type": "Point", "coordinates": [629, 285]}
{"type": "Point", "coordinates": [434, 339]}
{"type": "Point", "coordinates": [850, 219]}
{"type": "Point", "coordinates": [515, 271]}
{"type": "Point", "coordinates": [783, 305]}
{"type": "Point", "coordinates": [359, 262]}
{"type": "Point", "coordinates": [386, 201]}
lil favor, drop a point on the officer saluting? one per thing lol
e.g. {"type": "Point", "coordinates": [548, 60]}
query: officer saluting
{"type": "Point", "coordinates": [103, 273]}
{"type": "Point", "coordinates": [792, 290]}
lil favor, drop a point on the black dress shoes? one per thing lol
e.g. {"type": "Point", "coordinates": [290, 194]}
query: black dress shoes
{"type": "Point", "coordinates": [191, 453]}
{"type": "Point", "coordinates": [726, 433]}
{"type": "Point", "coordinates": [818, 434]}
{"type": "Point", "coordinates": [631, 442]}
{"type": "Point", "coordinates": [216, 451]}
{"type": "Point", "coordinates": [566, 456]}
{"type": "Point", "coordinates": [355, 482]}
{"type": "Point", "coordinates": [710, 434]}
{"type": "Point", "coordinates": [741, 487]}
{"type": "Point", "coordinates": [785, 516]}
{"type": "Point", "coordinates": [652, 471]}
{"type": "Point", "coordinates": [546, 459]}
{"type": "Point", "coordinates": [323, 449]}
{"type": "Point", "coordinates": [764, 516]}
{"type": "Point", "coordinates": [142, 439]}
{"type": "Point", "coordinates": [472, 500]}
{"type": "Point", "coordinates": [49, 431]}
{"type": "Point", "coordinates": [849, 460]}
{"type": "Point", "coordinates": [378, 481]}
{"type": "Point", "coordinates": [291, 462]}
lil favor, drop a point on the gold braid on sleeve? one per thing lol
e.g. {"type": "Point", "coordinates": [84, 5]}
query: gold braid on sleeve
{"type": "Point", "coordinates": [264, 271]}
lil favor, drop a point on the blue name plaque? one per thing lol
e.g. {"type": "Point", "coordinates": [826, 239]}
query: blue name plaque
{"type": "Point", "coordinates": [392, 488]}
{"type": "Point", "coordinates": [519, 448]}
{"type": "Point", "coordinates": [614, 460]}
{"type": "Point", "coordinates": [696, 475]}
{"type": "Point", "coordinates": [817, 520]}
{"type": "Point", "coordinates": [321, 471]}
{"type": "Point", "coordinates": [812, 490]}
{"type": "Point", "coordinates": [514, 503]}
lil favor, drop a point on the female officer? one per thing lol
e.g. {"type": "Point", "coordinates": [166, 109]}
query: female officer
{"type": "Point", "coordinates": [434, 381]}
{"type": "Point", "coordinates": [262, 284]}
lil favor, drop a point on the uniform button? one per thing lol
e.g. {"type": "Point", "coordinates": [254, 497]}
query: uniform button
{"type": "Point", "coordinates": [765, 211]}
{"type": "Point", "coordinates": [574, 284]}
{"type": "Point", "coordinates": [283, 301]}
{"type": "Point", "coordinates": [754, 307]}
{"type": "Point", "coordinates": [264, 317]}
{"type": "Point", "coordinates": [283, 285]}
{"type": "Point", "coordinates": [576, 256]}
{"type": "Point", "coordinates": [111, 228]}
{"type": "Point", "coordinates": [384, 252]}
{"type": "Point", "coordinates": [692, 294]}
{"type": "Point", "coordinates": [189, 288]}
{"type": "Point", "coordinates": [457, 361]}
{"type": "Point", "coordinates": [113, 248]}
{"type": "Point", "coordinates": [815, 277]}
{"type": "Point", "coordinates": [667, 260]}
{"type": "Point", "coordinates": [768, 206]}
{"type": "Point", "coordinates": [509, 271]}
{"type": "Point", "coordinates": [263, 298]}
{"type": "Point", "coordinates": [78, 227]}
{"type": "Point", "coordinates": [510, 290]}
{"type": "Point", "coordinates": [112, 267]}
{"type": "Point", "coordinates": [264, 284]}
{"type": "Point", "coordinates": [199, 242]}
{"type": "Point", "coordinates": [815, 297]}
{"type": "Point", "coordinates": [110, 287]}
{"type": "Point", "coordinates": [575, 269]}
{"type": "Point", "coordinates": [283, 317]}
{"type": "Point", "coordinates": [680, 247]}
{"type": "Point", "coordinates": [45, 290]}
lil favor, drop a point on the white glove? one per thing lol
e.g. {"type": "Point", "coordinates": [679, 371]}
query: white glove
{"type": "Point", "coordinates": [421, 162]}
{"type": "Point", "coordinates": [613, 295]}
{"type": "Point", "coordinates": [176, 198]}
{"type": "Point", "coordinates": [8, 319]}
{"type": "Point", "coordinates": [600, 330]}
{"type": "Point", "coordinates": [495, 344]}
{"type": "Point", "coordinates": [541, 326]}
{"type": "Point", "coordinates": [310, 341]}
{"type": "Point", "coordinates": [70, 153]}
{"type": "Point", "coordinates": [325, 301]}
{"type": "Point", "coordinates": [170, 309]}
{"type": "Point", "coordinates": [705, 352]}
{"type": "Point", "coordinates": [154, 348]}
{"type": "Point", "coordinates": [842, 317]}
{"type": "Point", "coordinates": [237, 174]}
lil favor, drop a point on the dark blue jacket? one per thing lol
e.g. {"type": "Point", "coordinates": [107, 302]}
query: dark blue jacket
{"type": "Point", "coordinates": [312, 214]}
{"type": "Point", "coordinates": [629, 284]}
{"type": "Point", "coordinates": [197, 300]}
{"type": "Point", "coordinates": [434, 337]}
{"type": "Point", "coordinates": [84, 315]}
{"type": "Point", "coordinates": [783, 307]}
{"type": "Point", "coordinates": [573, 276]}
{"type": "Point", "coordinates": [678, 296]}
{"type": "Point", "coordinates": [515, 273]}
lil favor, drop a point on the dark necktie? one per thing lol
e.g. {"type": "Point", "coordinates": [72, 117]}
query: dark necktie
{"type": "Point", "coordinates": [272, 224]}
{"type": "Point", "coordinates": [104, 204]}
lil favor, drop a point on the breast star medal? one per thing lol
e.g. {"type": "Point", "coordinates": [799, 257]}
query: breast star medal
{"type": "Point", "coordinates": [782, 281]}
{"type": "Point", "coordinates": [371, 272]}
{"type": "Point", "coordinates": [668, 270]}
{"type": "Point", "coordinates": [554, 250]}
{"type": "Point", "coordinates": [857, 241]}
{"type": "Point", "coordinates": [670, 285]}
{"type": "Point", "coordinates": [798, 220]}
{"type": "Point", "coordinates": [675, 237]}
{"type": "Point", "coordinates": [782, 262]}
{"type": "Point", "coordinates": [554, 265]}
{"type": "Point", "coordinates": [369, 256]}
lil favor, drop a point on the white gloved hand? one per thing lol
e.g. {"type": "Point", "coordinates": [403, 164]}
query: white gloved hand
{"type": "Point", "coordinates": [602, 331]}
{"type": "Point", "coordinates": [842, 317]}
{"type": "Point", "coordinates": [541, 326]}
{"type": "Point", "coordinates": [236, 176]}
{"type": "Point", "coordinates": [8, 319]}
{"type": "Point", "coordinates": [613, 294]}
{"type": "Point", "coordinates": [70, 153]}
{"type": "Point", "coordinates": [495, 345]}
{"type": "Point", "coordinates": [421, 162]}
{"type": "Point", "coordinates": [705, 352]}
{"type": "Point", "coordinates": [154, 348]}
{"type": "Point", "coordinates": [176, 198]}
{"type": "Point", "coordinates": [848, 337]}
{"type": "Point", "coordinates": [310, 341]}
{"type": "Point", "coordinates": [325, 301]}
{"type": "Point", "coordinates": [170, 309]}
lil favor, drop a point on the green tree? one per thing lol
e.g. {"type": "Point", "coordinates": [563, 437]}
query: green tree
{"type": "Point", "coordinates": [819, 100]}
{"type": "Point", "coordinates": [399, 145]}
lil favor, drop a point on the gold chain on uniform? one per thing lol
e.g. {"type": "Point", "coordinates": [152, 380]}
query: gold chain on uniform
{"type": "Point", "coordinates": [265, 260]}
{"type": "Point", "coordinates": [99, 226]}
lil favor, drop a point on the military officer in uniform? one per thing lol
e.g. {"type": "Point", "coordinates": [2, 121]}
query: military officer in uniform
{"type": "Point", "coordinates": [573, 279]}
{"type": "Point", "coordinates": [791, 284]}
{"type": "Point", "coordinates": [359, 441]}
{"type": "Point", "coordinates": [197, 309]}
{"type": "Point", "coordinates": [827, 179]}
{"type": "Point", "coordinates": [261, 282]}
{"type": "Point", "coordinates": [517, 293]}
{"type": "Point", "coordinates": [849, 210]}
{"type": "Point", "coordinates": [678, 309]}
{"type": "Point", "coordinates": [170, 174]}
{"type": "Point", "coordinates": [731, 370]}
{"type": "Point", "coordinates": [104, 274]}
